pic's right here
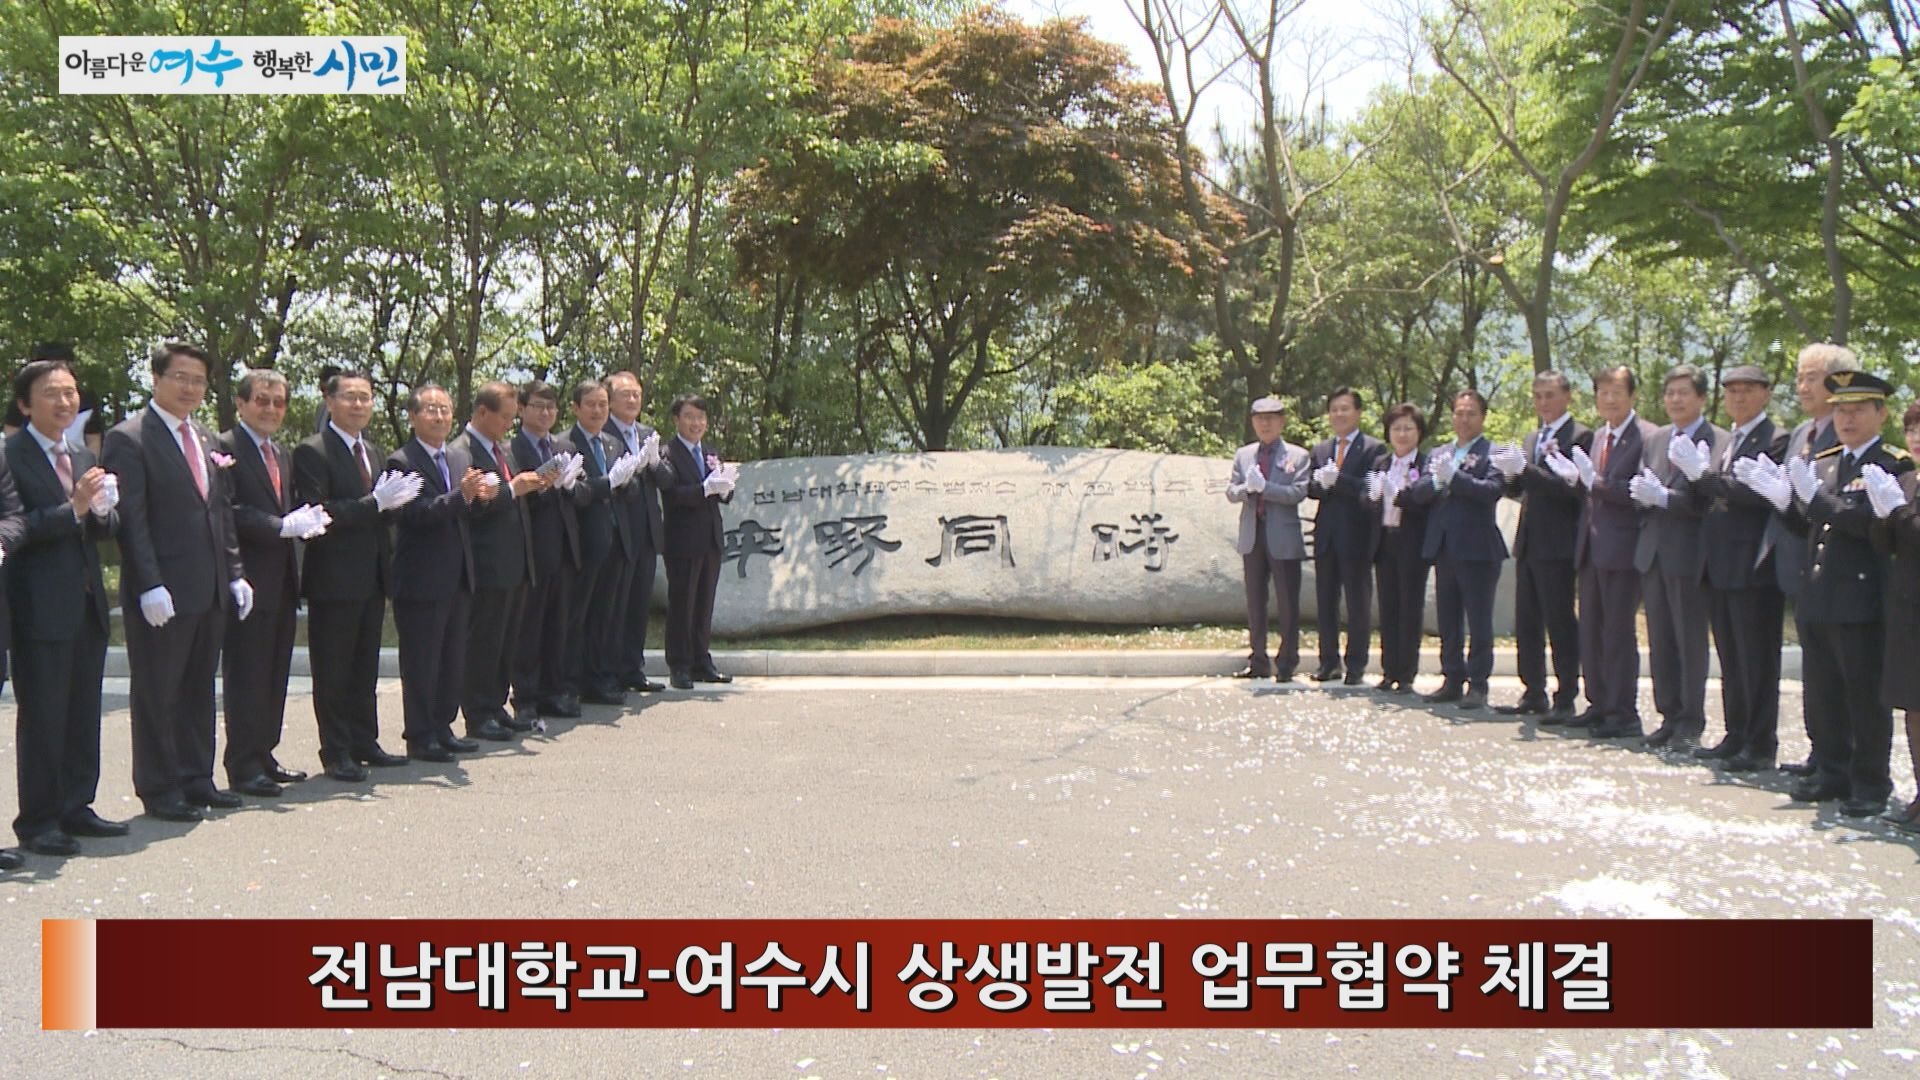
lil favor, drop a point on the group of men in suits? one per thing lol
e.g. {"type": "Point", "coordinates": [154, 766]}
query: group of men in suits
{"type": "Point", "coordinates": [519, 565]}
{"type": "Point", "coordinates": [1705, 530]}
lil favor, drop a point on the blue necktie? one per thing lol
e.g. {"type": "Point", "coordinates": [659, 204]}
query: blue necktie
{"type": "Point", "coordinates": [700, 460]}
{"type": "Point", "coordinates": [546, 450]}
{"type": "Point", "coordinates": [446, 478]}
{"type": "Point", "coordinates": [599, 453]}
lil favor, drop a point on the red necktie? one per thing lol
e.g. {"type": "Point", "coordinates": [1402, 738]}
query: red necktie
{"type": "Point", "coordinates": [63, 467]}
{"type": "Point", "coordinates": [360, 455]}
{"type": "Point", "coordinates": [273, 469]}
{"type": "Point", "coordinates": [1605, 449]}
{"type": "Point", "coordinates": [500, 459]}
{"type": "Point", "coordinates": [191, 449]}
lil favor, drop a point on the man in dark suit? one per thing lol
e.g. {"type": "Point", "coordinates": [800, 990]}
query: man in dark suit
{"type": "Point", "coordinates": [1786, 535]}
{"type": "Point", "coordinates": [1671, 558]}
{"type": "Point", "coordinates": [1465, 546]}
{"type": "Point", "coordinates": [593, 665]}
{"type": "Point", "coordinates": [1842, 611]}
{"type": "Point", "coordinates": [502, 564]}
{"type": "Point", "coordinates": [1543, 543]}
{"type": "Point", "coordinates": [433, 576]}
{"type": "Point", "coordinates": [180, 572]}
{"type": "Point", "coordinates": [540, 665]}
{"type": "Point", "coordinates": [258, 657]}
{"type": "Point", "coordinates": [1748, 607]}
{"type": "Point", "coordinates": [49, 530]}
{"type": "Point", "coordinates": [1609, 584]}
{"type": "Point", "coordinates": [346, 576]}
{"type": "Point", "coordinates": [640, 502]}
{"type": "Point", "coordinates": [694, 484]}
{"type": "Point", "coordinates": [1344, 537]}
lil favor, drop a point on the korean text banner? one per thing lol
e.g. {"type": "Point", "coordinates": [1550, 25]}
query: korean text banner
{"type": "Point", "coordinates": [940, 973]}
{"type": "Point", "coordinates": [228, 64]}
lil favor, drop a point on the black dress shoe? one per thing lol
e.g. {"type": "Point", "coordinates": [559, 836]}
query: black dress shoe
{"type": "Point", "coordinates": [1863, 807]}
{"type": "Point", "coordinates": [175, 810]}
{"type": "Point", "coordinates": [1745, 762]}
{"type": "Point", "coordinates": [709, 675]}
{"type": "Point", "coordinates": [1587, 719]}
{"type": "Point", "coordinates": [1559, 714]}
{"type": "Point", "coordinates": [642, 684]}
{"type": "Point", "coordinates": [259, 787]}
{"type": "Point", "coordinates": [429, 752]}
{"type": "Point", "coordinates": [1355, 678]}
{"type": "Point", "coordinates": [1814, 791]}
{"type": "Point", "coordinates": [1326, 674]}
{"type": "Point", "coordinates": [1386, 686]}
{"type": "Point", "coordinates": [455, 744]}
{"type": "Point", "coordinates": [680, 680]}
{"type": "Point", "coordinates": [491, 730]}
{"type": "Point", "coordinates": [1804, 768]}
{"type": "Point", "coordinates": [379, 758]}
{"type": "Point", "coordinates": [214, 799]}
{"type": "Point", "coordinates": [1727, 750]}
{"type": "Point", "coordinates": [601, 695]}
{"type": "Point", "coordinates": [11, 859]}
{"type": "Point", "coordinates": [562, 708]}
{"type": "Point", "coordinates": [52, 842]}
{"type": "Point", "coordinates": [1404, 687]}
{"type": "Point", "coordinates": [88, 823]}
{"type": "Point", "coordinates": [517, 724]}
{"type": "Point", "coordinates": [1522, 707]}
{"type": "Point", "coordinates": [1249, 672]}
{"type": "Point", "coordinates": [279, 774]}
{"type": "Point", "coordinates": [1662, 735]}
{"type": "Point", "coordinates": [1447, 692]}
{"type": "Point", "coordinates": [1283, 676]}
{"type": "Point", "coordinates": [346, 771]}
{"type": "Point", "coordinates": [1473, 699]}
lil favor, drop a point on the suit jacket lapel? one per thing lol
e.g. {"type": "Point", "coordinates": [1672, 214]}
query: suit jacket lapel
{"type": "Point", "coordinates": [424, 464]}
{"type": "Point", "coordinates": [41, 470]}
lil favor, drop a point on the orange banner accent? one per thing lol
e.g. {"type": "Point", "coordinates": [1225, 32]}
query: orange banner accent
{"type": "Point", "coordinates": [67, 953]}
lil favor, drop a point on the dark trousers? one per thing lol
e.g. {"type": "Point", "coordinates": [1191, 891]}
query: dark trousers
{"type": "Point", "coordinates": [1852, 731]}
{"type": "Point", "coordinates": [635, 615]}
{"type": "Point", "coordinates": [343, 647]}
{"type": "Point", "coordinates": [1463, 602]}
{"type": "Point", "coordinates": [540, 663]}
{"type": "Point", "coordinates": [433, 660]}
{"type": "Point", "coordinates": [1543, 612]}
{"type": "Point", "coordinates": [1261, 571]}
{"type": "Point", "coordinates": [1678, 613]}
{"type": "Point", "coordinates": [592, 626]}
{"type": "Point", "coordinates": [172, 702]}
{"type": "Point", "coordinates": [56, 726]}
{"type": "Point", "coordinates": [1338, 572]}
{"type": "Point", "coordinates": [691, 584]}
{"type": "Point", "coordinates": [1401, 576]}
{"type": "Point", "coordinates": [1746, 634]}
{"type": "Point", "coordinates": [1609, 643]}
{"type": "Point", "coordinates": [254, 668]}
{"type": "Point", "coordinates": [492, 634]}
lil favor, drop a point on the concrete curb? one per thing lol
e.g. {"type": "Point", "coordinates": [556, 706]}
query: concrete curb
{"type": "Point", "coordinates": [919, 663]}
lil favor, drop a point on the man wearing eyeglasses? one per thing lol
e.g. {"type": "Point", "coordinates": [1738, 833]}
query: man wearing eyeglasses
{"type": "Point", "coordinates": [180, 573]}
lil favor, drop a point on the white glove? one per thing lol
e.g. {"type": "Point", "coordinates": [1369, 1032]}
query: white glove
{"type": "Point", "coordinates": [622, 470]}
{"type": "Point", "coordinates": [395, 489]}
{"type": "Point", "coordinates": [156, 606]}
{"type": "Point", "coordinates": [1395, 484]}
{"type": "Point", "coordinates": [305, 523]}
{"type": "Point", "coordinates": [1883, 490]}
{"type": "Point", "coordinates": [1647, 490]}
{"type": "Point", "coordinates": [1585, 464]}
{"type": "Point", "coordinates": [1806, 483]}
{"type": "Point", "coordinates": [1327, 475]}
{"type": "Point", "coordinates": [1765, 478]}
{"type": "Point", "coordinates": [1256, 479]}
{"type": "Point", "coordinates": [572, 472]}
{"type": "Point", "coordinates": [1441, 462]}
{"type": "Point", "coordinates": [1509, 460]}
{"type": "Point", "coordinates": [1567, 471]}
{"type": "Point", "coordinates": [1376, 486]}
{"type": "Point", "coordinates": [650, 451]}
{"type": "Point", "coordinates": [1688, 456]}
{"type": "Point", "coordinates": [716, 483]}
{"type": "Point", "coordinates": [242, 596]}
{"type": "Point", "coordinates": [108, 497]}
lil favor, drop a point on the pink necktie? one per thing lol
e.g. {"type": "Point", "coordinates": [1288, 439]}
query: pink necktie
{"type": "Point", "coordinates": [63, 467]}
{"type": "Point", "coordinates": [191, 448]}
{"type": "Point", "coordinates": [273, 469]}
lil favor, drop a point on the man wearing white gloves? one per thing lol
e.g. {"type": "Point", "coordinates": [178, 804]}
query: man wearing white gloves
{"type": "Point", "coordinates": [540, 664]}
{"type": "Point", "coordinates": [180, 574]}
{"type": "Point", "coordinates": [1671, 559]}
{"type": "Point", "coordinates": [1345, 536]}
{"type": "Point", "coordinates": [1269, 479]}
{"type": "Point", "coordinates": [640, 501]}
{"type": "Point", "coordinates": [258, 656]}
{"type": "Point", "coordinates": [593, 672]}
{"type": "Point", "coordinates": [693, 483]}
{"type": "Point", "coordinates": [346, 575]}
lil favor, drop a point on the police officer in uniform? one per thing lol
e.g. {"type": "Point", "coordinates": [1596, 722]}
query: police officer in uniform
{"type": "Point", "coordinates": [1840, 606]}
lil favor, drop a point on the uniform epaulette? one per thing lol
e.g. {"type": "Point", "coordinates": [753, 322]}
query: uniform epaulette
{"type": "Point", "coordinates": [1829, 451]}
{"type": "Point", "coordinates": [1895, 452]}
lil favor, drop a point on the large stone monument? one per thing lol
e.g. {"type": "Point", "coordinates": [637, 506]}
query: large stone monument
{"type": "Point", "coordinates": [1098, 536]}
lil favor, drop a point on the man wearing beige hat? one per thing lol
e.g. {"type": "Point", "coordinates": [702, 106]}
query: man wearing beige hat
{"type": "Point", "coordinates": [1747, 606]}
{"type": "Point", "coordinates": [1268, 481]}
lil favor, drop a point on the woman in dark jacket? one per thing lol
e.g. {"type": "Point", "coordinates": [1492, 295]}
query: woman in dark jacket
{"type": "Point", "coordinates": [1400, 573]}
{"type": "Point", "coordinates": [1900, 675]}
